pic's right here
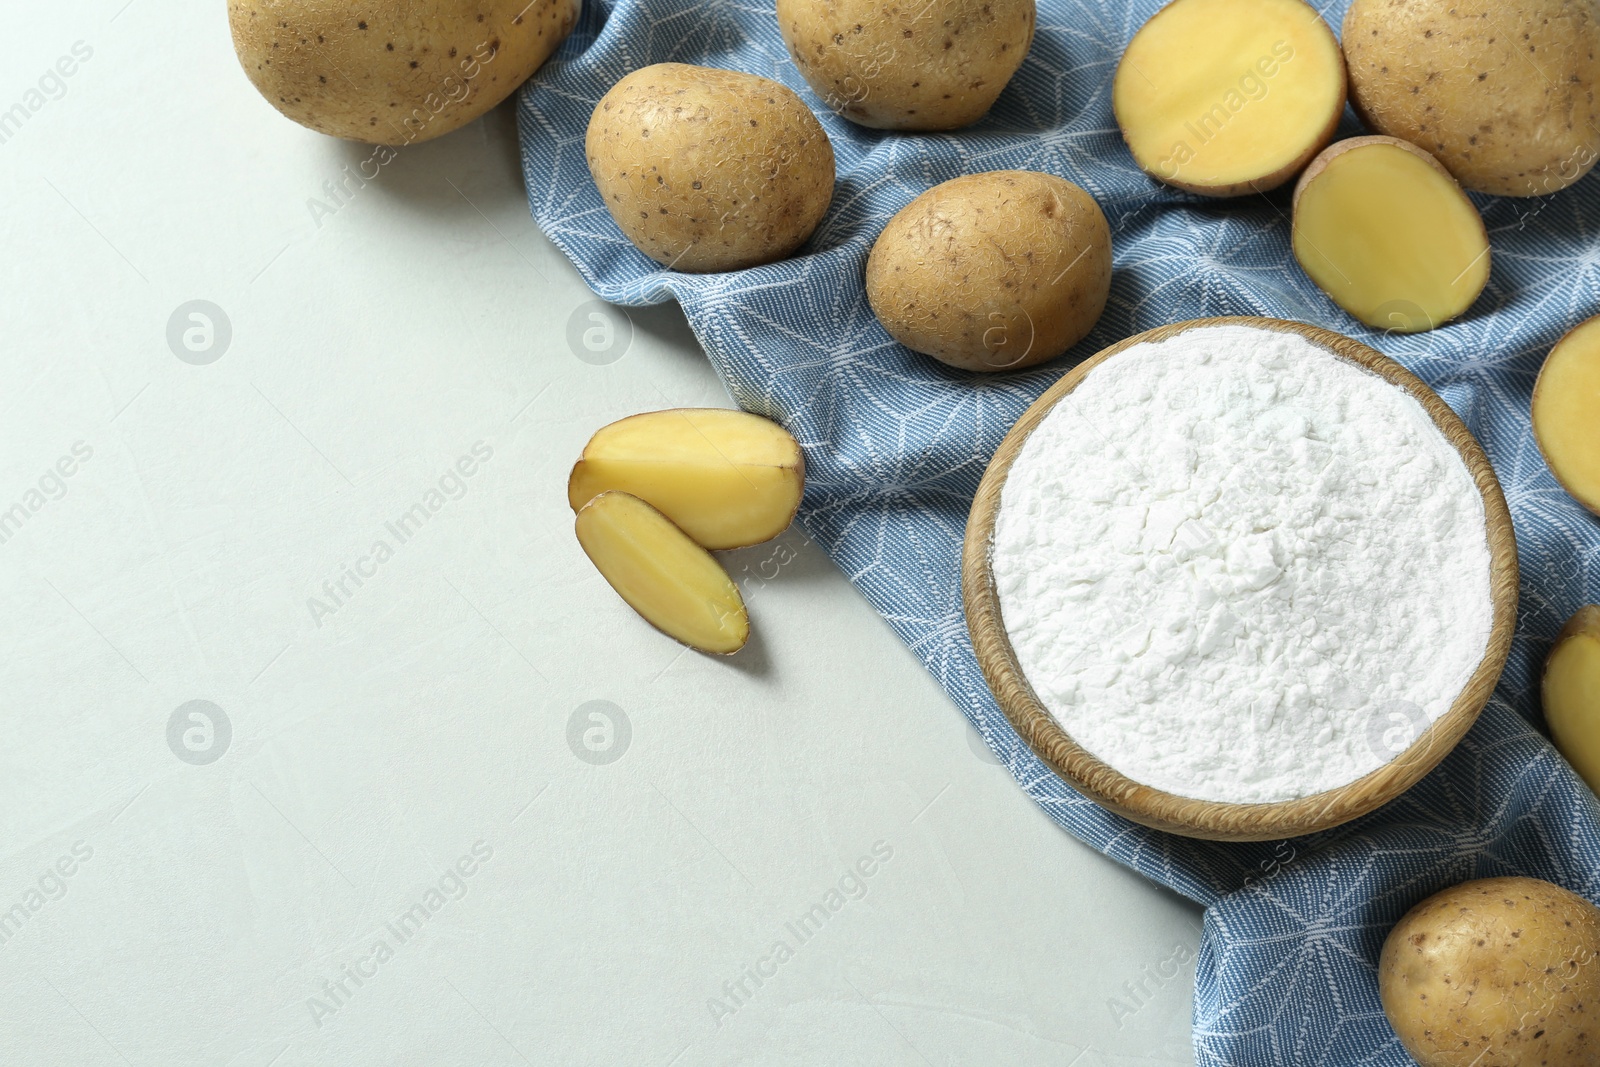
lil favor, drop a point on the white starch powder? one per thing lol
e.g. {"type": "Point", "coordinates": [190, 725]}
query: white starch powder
{"type": "Point", "coordinates": [1232, 564]}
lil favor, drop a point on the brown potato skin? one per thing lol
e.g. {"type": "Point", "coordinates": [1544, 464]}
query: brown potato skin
{"type": "Point", "coordinates": [709, 170]}
{"type": "Point", "coordinates": [1503, 92]}
{"type": "Point", "coordinates": [389, 72]}
{"type": "Point", "coordinates": [908, 64]}
{"type": "Point", "coordinates": [991, 272]}
{"type": "Point", "coordinates": [1495, 973]}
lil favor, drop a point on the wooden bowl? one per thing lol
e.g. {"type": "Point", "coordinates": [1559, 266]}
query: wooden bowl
{"type": "Point", "coordinates": [1209, 819]}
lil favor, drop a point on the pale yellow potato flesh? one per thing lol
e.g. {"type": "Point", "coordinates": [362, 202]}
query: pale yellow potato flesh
{"type": "Point", "coordinates": [1566, 413]}
{"type": "Point", "coordinates": [1498, 971]}
{"type": "Point", "coordinates": [1229, 97]}
{"type": "Point", "coordinates": [1571, 694]}
{"type": "Point", "coordinates": [1389, 235]}
{"type": "Point", "coordinates": [727, 478]}
{"type": "Point", "coordinates": [674, 584]}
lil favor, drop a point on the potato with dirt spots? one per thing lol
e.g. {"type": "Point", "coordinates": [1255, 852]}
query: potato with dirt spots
{"type": "Point", "coordinates": [1501, 972]}
{"type": "Point", "coordinates": [709, 170]}
{"type": "Point", "coordinates": [394, 73]}
{"type": "Point", "coordinates": [908, 64]}
{"type": "Point", "coordinates": [992, 272]}
{"type": "Point", "coordinates": [1501, 91]}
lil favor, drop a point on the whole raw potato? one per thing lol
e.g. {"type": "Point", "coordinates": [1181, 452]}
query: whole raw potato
{"type": "Point", "coordinates": [993, 271]}
{"type": "Point", "coordinates": [1501, 91]}
{"type": "Point", "coordinates": [1500, 972]}
{"type": "Point", "coordinates": [709, 170]}
{"type": "Point", "coordinates": [392, 72]}
{"type": "Point", "coordinates": [909, 66]}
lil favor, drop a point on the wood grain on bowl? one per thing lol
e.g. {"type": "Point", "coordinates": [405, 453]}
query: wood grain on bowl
{"type": "Point", "coordinates": [1206, 819]}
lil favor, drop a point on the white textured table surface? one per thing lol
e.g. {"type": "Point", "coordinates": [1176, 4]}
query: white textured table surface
{"type": "Point", "coordinates": [180, 502]}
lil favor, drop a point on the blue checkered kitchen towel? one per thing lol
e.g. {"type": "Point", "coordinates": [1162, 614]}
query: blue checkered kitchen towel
{"type": "Point", "coordinates": [895, 446]}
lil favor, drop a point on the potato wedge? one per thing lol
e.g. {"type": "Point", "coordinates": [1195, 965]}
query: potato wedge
{"type": "Point", "coordinates": [1566, 413]}
{"type": "Point", "coordinates": [1229, 97]}
{"type": "Point", "coordinates": [1386, 232]}
{"type": "Point", "coordinates": [1571, 694]}
{"type": "Point", "coordinates": [727, 478]}
{"type": "Point", "coordinates": [674, 584]}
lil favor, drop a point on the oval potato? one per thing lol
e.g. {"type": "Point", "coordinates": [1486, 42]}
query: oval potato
{"type": "Point", "coordinates": [934, 66]}
{"type": "Point", "coordinates": [387, 72]}
{"type": "Point", "coordinates": [995, 271]}
{"type": "Point", "coordinates": [1501, 971]}
{"type": "Point", "coordinates": [709, 170]}
{"type": "Point", "coordinates": [1503, 92]}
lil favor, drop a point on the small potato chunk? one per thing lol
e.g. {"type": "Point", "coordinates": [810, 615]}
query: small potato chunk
{"type": "Point", "coordinates": [1571, 693]}
{"type": "Point", "coordinates": [920, 66]}
{"type": "Point", "coordinates": [992, 272]}
{"type": "Point", "coordinates": [1385, 231]}
{"type": "Point", "coordinates": [1566, 413]}
{"type": "Point", "coordinates": [1500, 971]}
{"type": "Point", "coordinates": [1506, 93]}
{"type": "Point", "coordinates": [709, 170]}
{"type": "Point", "coordinates": [727, 478]}
{"type": "Point", "coordinates": [677, 586]}
{"type": "Point", "coordinates": [1229, 97]}
{"type": "Point", "coordinates": [393, 72]}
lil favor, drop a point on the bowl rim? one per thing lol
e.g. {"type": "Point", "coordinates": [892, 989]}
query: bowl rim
{"type": "Point", "coordinates": [1216, 820]}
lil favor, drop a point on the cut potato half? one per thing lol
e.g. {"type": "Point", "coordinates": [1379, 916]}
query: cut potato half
{"type": "Point", "coordinates": [677, 586]}
{"type": "Point", "coordinates": [1566, 413]}
{"type": "Point", "coordinates": [1229, 97]}
{"type": "Point", "coordinates": [1571, 694]}
{"type": "Point", "coordinates": [1387, 233]}
{"type": "Point", "coordinates": [728, 478]}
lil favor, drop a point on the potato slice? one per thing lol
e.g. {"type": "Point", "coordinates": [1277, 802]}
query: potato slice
{"type": "Point", "coordinates": [1566, 413]}
{"type": "Point", "coordinates": [1571, 693]}
{"type": "Point", "coordinates": [1385, 231]}
{"type": "Point", "coordinates": [727, 478]}
{"type": "Point", "coordinates": [1229, 97]}
{"type": "Point", "coordinates": [677, 586]}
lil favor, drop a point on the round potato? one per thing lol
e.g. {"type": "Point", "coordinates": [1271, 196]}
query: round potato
{"type": "Point", "coordinates": [1500, 971]}
{"type": "Point", "coordinates": [709, 170]}
{"type": "Point", "coordinates": [910, 67]}
{"type": "Point", "coordinates": [390, 72]}
{"type": "Point", "coordinates": [1503, 92]}
{"type": "Point", "coordinates": [993, 271]}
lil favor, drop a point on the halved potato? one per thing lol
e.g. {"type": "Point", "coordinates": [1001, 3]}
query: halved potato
{"type": "Point", "coordinates": [1229, 97]}
{"type": "Point", "coordinates": [677, 586]}
{"type": "Point", "coordinates": [727, 478]}
{"type": "Point", "coordinates": [1571, 694]}
{"type": "Point", "coordinates": [1386, 232]}
{"type": "Point", "coordinates": [1566, 413]}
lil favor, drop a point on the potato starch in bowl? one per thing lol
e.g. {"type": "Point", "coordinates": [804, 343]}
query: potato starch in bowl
{"type": "Point", "coordinates": [1237, 568]}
